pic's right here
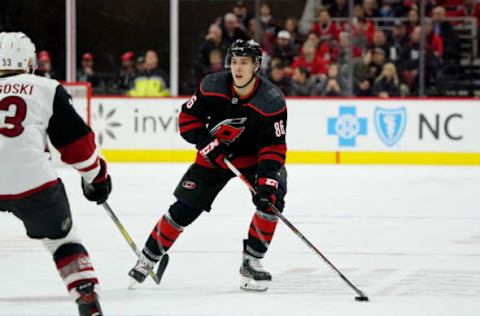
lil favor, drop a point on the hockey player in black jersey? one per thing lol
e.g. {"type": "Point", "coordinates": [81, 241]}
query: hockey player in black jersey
{"type": "Point", "coordinates": [239, 115]}
{"type": "Point", "coordinates": [32, 108]}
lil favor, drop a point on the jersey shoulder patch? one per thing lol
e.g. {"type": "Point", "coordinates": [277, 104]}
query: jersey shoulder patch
{"type": "Point", "coordinates": [268, 99]}
{"type": "Point", "coordinates": [217, 84]}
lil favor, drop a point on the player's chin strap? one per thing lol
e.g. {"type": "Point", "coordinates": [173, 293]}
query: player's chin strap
{"type": "Point", "coordinates": [241, 87]}
{"type": "Point", "coordinates": [361, 296]}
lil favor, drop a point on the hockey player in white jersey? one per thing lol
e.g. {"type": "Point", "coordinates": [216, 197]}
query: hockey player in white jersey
{"type": "Point", "coordinates": [33, 108]}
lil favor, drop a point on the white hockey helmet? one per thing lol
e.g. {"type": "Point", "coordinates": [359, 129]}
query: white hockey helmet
{"type": "Point", "coordinates": [17, 52]}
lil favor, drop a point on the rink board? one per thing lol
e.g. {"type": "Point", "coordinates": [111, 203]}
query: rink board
{"type": "Point", "coordinates": [352, 131]}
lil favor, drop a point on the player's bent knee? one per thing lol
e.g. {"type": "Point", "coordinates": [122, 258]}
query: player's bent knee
{"type": "Point", "coordinates": [182, 214]}
{"type": "Point", "coordinates": [71, 238]}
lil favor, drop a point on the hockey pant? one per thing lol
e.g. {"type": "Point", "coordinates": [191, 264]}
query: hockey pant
{"type": "Point", "coordinates": [195, 193]}
{"type": "Point", "coordinates": [46, 216]}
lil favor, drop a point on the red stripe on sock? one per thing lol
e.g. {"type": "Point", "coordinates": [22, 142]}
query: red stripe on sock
{"type": "Point", "coordinates": [168, 229]}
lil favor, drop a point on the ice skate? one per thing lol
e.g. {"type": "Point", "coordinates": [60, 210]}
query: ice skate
{"type": "Point", "coordinates": [88, 304]}
{"type": "Point", "coordinates": [253, 276]}
{"type": "Point", "coordinates": [139, 272]}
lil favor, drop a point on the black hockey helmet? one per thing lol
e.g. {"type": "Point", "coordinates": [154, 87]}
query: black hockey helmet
{"type": "Point", "coordinates": [244, 48]}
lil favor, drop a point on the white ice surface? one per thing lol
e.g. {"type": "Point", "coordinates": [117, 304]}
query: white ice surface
{"type": "Point", "coordinates": [409, 236]}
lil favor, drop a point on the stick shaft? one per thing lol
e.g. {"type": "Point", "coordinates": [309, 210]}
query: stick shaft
{"type": "Point", "coordinates": [294, 229]}
{"type": "Point", "coordinates": [129, 240]}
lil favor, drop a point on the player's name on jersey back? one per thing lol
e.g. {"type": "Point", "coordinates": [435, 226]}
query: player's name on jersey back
{"type": "Point", "coordinates": [16, 88]}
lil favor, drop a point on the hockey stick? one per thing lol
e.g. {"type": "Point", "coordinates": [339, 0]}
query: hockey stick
{"type": "Point", "coordinates": [129, 240]}
{"type": "Point", "coordinates": [361, 296]}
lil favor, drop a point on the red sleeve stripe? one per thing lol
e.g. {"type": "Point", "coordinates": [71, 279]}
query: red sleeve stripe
{"type": "Point", "coordinates": [189, 127]}
{"type": "Point", "coordinates": [79, 151]}
{"type": "Point", "coordinates": [187, 118]}
{"type": "Point", "coordinates": [274, 157]}
{"type": "Point", "coordinates": [281, 149]}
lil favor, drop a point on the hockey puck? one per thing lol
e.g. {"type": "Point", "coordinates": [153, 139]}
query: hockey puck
{"type": "Point", "coordinates": [362, 298]}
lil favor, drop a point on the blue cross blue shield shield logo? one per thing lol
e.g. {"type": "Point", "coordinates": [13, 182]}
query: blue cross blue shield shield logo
{"type": "Point", "coordinates": [390, 124]}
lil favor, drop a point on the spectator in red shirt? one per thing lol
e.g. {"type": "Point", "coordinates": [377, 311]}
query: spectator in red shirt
{"type": "Point", "coordinates": [309, 60]}
{"type": "Point", "coordinates": [470, 8]}
{"type": "Point", "coordinates": [325, 28]}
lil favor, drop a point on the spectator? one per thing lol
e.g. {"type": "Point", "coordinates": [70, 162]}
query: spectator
{"type": "Point", "coordinates": [333, 84]}
{"type": "Point", "coordinates": [398, 39]}
{"type": "Point", "coordinates": [445, 30]}
{"type": "Point", "coordinates": [342, 58]}
{"type": "Point", "coordinates": [87, 73]}
{"type": "Point", "coordinates": [126, 75]}
{"type": "Point", "coordinates": [213, 41]}
{"type": "Point", "coordinates": [379, 40]}
{"type": "Point", "coordinates": [152, 82]}
{"type": "Point", "coordinates": [325, 28]}
{"type": "Point", "coordinates": [387, 84]}
{"type": "Point", "coordinates": [278, 77]}
{"type": "Point", "coordinates": [378, 60]}
{"type": "Point", "coordinates": [308, 59]}
{"type": "Point", "coordinates": [413, 19]}
{"type": "Point", "coordinates": [291, 25]}
{"type": "Point", "coordinates": [301, 84]}
{"type": "Point", "coordinates": [44, 68]}
{"type": "Point", "coordinates": [216, 62]}
{"type": "Point", "coordinates": [362, 87]}
{"type": "Point", "coordinates": [361, 67]}
{"type": "Point", "coordinates": [140, 64]}
{"type": "Point", "coordinates": [338, 9]}
{"type": "Point", "coordinates": [270, 25]}
{"type": "Point", "coordinates": [470, 8]}
{"type": "Point", "coordinates": [240, 11]}
{"type": "Point", "coordinates": [231, 30]}
{"type": "Point", "coordinates": [283, 48]}
{"type": "Point", "coordinates": [362, 33]}
{"type": "Point", "coordinates": [370, 9]}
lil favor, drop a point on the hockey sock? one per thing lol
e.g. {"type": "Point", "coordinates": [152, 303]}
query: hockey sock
{"type": "Point", "coordinates": [163, 235]}
{"type": "Point", "coordinates": [74, 267]}
{"type": "Point", "coordinates": [260, 233]}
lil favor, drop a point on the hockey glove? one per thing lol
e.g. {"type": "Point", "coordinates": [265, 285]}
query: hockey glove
{"type": "Point", "coordinates": [214, 152]}
{"type": "Point", "coordinates": [99, 190]}
{"type": "Point", "coordinates": [266, 193]}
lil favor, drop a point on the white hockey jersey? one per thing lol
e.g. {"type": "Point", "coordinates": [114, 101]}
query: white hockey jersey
{"type": "Point", "coordinates": [33, 108]}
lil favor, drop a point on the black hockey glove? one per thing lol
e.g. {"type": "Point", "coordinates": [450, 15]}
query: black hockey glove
{"type": "Point", "coordinates": [214, 151]}
{"type": "Point", "coordinates": [266, 193]}
{"type": "Point", "coordinates": [99, 190]}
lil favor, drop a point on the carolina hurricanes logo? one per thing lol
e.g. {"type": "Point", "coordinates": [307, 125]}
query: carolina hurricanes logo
{"type": "Point", "coordinates": [230, 129]}
{"type": "Point", "coordinates": [189, 185]}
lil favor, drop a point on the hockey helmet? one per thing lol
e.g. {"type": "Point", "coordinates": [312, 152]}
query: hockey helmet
{"type": "Point", "coordinates": [244, 48]}
{"type": "Point", "coordinates": [17, 52]}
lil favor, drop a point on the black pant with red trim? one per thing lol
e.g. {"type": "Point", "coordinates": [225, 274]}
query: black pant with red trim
{"type": "Point", "coordinates": [46, 215]}
{"type": "Point", "coordinates": [195, 193]}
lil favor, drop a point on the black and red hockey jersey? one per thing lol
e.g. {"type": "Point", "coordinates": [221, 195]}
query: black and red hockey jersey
{"type": "Point", "coordinates": [33, 108]}
{"type": "Point", "coordinates": [252, 126]}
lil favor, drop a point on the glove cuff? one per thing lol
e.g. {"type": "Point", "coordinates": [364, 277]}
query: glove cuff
{"type": "Point", "coordinates": [268, 182]}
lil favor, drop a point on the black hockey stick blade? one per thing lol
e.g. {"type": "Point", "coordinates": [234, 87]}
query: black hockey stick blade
{"type": "Point", "coordinates": [362, 298]}
{"type": "Point", "coordinates": [162, 265]}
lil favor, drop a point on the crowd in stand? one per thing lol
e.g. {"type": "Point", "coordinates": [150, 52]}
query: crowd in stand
{"type": "Point", "coordinates": [382, 55]}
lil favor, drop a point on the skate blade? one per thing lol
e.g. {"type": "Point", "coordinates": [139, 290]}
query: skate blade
{"type": "Point", "coordinates": [133, 284]}
{"type": "Point", "coordinates": [251, 285]}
